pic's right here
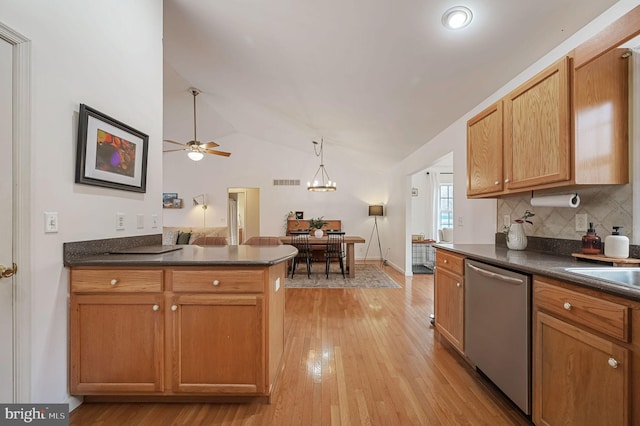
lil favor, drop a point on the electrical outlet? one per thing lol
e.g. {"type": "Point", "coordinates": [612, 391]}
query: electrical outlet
{"type": "Point", "coordinates": [140, 221]}
{"type": "Point", "coordinates": [120, 221]}
{"type": "Point", "coordinates": [50, 222]}
{"type": "Point", "coordinates": [154, 220]}
{"type": "Point", "coordinates": [581, 222]}
{"type": "Point", "coordinates": [506, 220]}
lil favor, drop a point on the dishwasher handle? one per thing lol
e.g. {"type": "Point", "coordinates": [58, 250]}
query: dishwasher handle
{"type": "Point", "coordinates": [489, 274]}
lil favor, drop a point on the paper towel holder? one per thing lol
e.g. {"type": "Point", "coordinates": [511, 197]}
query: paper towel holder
{"type": "Point", "coordinates": [557, 200]}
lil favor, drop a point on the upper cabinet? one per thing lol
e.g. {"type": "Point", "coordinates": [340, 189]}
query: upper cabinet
{"type": "Point", "coordinates": [566, 126]}
{"type": "Point", "coordinates": [537, 129]}
{"type": "Point", "coordinates": [601, 111]}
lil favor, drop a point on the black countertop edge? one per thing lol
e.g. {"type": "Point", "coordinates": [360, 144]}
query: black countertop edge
{"type": "Point", "coordinates": [80, 249]}
{"type": "Point", "coordinates": [192, 255]}
{"type": "Point", "coordinates": [534, 262]}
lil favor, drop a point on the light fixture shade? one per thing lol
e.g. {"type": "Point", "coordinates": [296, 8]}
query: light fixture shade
{"type": "Point", "coordinates": [195, 155]}
{"type": "Point", "coordinates": [377, 210]}
{"type": "Point", "coordinates": [457, 17]}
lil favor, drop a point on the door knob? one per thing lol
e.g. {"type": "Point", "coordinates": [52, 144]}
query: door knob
{"type": "Point", "coordinates": [7, 272]}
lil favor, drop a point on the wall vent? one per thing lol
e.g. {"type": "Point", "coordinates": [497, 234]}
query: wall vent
{"type": "Point", "coordinates": [286, 182]}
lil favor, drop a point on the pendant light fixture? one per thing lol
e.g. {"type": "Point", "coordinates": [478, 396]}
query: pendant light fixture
{"type": "Point", "coordinates": [321, 181]}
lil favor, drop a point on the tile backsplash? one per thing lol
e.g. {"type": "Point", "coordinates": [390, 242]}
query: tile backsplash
{"type": "Point", "coordinates": [604, 206]}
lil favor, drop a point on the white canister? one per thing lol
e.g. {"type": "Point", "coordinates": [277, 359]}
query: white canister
{"type": "Point", "coordinates": [616, 245]}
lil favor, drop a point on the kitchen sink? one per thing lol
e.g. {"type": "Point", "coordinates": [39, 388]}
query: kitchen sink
{"type": "Point", "coordinates": [618, 275]}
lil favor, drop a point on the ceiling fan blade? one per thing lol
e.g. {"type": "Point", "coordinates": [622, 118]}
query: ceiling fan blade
{"type": "Point", "coordinates": [170, 141]}
{"type": "Point", "coordinates": [213, 151]}
{"type": "Point", "coordinates": [211, 144]}
{"type": "Point", "coordinates": [173, 150]}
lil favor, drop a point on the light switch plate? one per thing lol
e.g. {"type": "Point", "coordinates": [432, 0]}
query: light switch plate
{"type": "Point", "coordinates": [140, 221]}
{"type": "Point", "coordinates": [50, 222]}
{"type": "Point", "coordinates": [119, 221]}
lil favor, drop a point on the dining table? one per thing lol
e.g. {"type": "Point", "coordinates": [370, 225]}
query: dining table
{"type": "Point", "coordinates": [349, 241]}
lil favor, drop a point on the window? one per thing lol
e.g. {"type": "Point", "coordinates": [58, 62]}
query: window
{"type": "Point", "coordinates": [445, 201]}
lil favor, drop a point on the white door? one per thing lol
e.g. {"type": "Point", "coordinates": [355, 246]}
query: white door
{"type": "Point", "coordinates": [6, 224]}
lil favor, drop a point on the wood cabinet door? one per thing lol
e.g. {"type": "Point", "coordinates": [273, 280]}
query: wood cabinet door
{"type": "Point", "coordinates": [601, 108]}
{"type": "Point", "coordinates": [579, 378]}
{"type": "Point", "coordinates": [484, 152]}
{"type": "Point", "coordinates": [449, 306]}
{"type": "Point", "coordinates": [116, 344]}
{"type": "Point", "coordinates": [217, 343]}
{"type": "Point", "coordinates": [537, 130]}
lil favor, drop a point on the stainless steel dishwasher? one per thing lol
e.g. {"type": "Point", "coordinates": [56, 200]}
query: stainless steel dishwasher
{"type": "Point", "coordinates": [498, 328]}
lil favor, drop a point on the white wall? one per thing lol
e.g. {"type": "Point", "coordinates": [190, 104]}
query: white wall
{"type": "Point", "coordinates": [475, 220]}
{"type": "Point", "coordinates": [255, 164]}
{"type": "Point", "coordinates": [107, 55]}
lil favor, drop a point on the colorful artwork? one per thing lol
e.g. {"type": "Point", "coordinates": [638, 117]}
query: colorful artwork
{"type": "Point", "coordinates": [115, 154]}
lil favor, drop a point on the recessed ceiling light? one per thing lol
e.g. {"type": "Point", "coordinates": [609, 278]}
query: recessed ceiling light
{"type": "Point", "coordinates": [457, 17]}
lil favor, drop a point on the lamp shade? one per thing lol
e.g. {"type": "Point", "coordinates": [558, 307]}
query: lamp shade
{"type": "Point", "coordinates": [376, 210]}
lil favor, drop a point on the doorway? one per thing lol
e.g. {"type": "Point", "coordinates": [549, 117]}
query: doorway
{"type": "Point", "coordinates": [244, 214]}
{"type": "Point", "coordinates": [431, 212]}
{"type": "Point", "coordinates": [15, 126]}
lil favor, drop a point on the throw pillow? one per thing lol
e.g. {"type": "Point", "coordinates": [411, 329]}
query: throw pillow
{"type": "Point", "coordinates": [170, 238]}
{"type": "Point", "coordinates": [183, 238]}
{"type": "Point", "coordinates": [195, 236]}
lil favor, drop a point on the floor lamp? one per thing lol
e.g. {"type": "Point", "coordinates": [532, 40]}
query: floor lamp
{"type": "Point", "coordinates": [375, 211]}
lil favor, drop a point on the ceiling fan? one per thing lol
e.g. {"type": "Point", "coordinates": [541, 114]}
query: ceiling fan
{"type": "Point", "coordinates": [196, 149]}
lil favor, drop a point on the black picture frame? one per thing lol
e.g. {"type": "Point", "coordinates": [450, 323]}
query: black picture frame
{"type": "Point", "coordinates": [110, 153]}
{"type": "Point", "coordinates": [299, 215]}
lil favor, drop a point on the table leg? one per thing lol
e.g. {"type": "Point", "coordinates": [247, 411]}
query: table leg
{"type": "Point", "coordinates": [351, 260]}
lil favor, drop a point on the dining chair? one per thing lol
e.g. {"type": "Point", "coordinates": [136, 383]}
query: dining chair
{"type": "Point", "coordinates": [263, 241]}
{"type": "Point", "coordinates": [335, 250]}
{"type": "Point", "coordinates": [211, 241]}
{"type": "Point", "coordinates": [301, 242]}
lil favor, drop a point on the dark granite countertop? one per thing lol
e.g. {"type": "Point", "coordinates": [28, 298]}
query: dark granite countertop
{"type": "Point", "coordinates": [534, 262]}
{"type": "Point", "coordinates": [192, 255]}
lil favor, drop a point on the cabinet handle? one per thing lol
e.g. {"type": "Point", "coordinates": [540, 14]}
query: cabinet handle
{"type": "Point", "coordinates": [458, 285]}
{"type": "Point", "coordinates": [506, 180]}
{"type": "Point", "coordinates": [114, 281]}
{"type": "Point", "coordinates": [216, 282]}
{"type": "Point", "coordinates": [613, 363]}
{"type": "Point", "coordinates": [156, 307]}
{"type": "Point", "coordinates": [445, 261]}
{"type": "Point", "coordinates": [567, 306]}
{"type": "Point", "coordinates": [497, 182]}
{"type": "Point", "coordinates": [174, 307]}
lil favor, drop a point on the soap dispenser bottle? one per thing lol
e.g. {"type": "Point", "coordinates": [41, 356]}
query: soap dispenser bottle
{"type": "Point", "coordinates": [616, 245]}
{"type": "Point", "coordinates": [591, 242]}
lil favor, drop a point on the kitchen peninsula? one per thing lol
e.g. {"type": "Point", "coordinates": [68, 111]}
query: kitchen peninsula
{"type": "Point", "coordinates": [195, 323]}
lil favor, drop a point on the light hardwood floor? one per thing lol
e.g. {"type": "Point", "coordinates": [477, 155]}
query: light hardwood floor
{"type": "Point", "coordinates": [352, 357]}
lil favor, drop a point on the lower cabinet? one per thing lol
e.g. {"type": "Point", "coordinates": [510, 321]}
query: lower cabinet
{"type": "Point", "coordinates": [176, 331]}
{"type": "Point", "coordinates": [584, 358]}
{"type": "Point", "coordinates": [449, 297]}
{"type": "Point", "coordinates": [116, 344]}
{"type": "Point", "coordinates": [216, 343]}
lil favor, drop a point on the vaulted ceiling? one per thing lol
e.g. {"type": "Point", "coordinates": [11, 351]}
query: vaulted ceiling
{"type": "Point", "coordinates": [376, 78]}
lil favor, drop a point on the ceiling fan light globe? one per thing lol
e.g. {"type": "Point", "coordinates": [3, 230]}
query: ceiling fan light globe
{"type": "Point", "coordinates": [195, 155]}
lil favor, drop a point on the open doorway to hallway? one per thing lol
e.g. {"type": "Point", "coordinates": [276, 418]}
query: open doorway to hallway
{"type": "Point", "coordinates": [431, 212]}
{"type": "Point", "coordinates": [244, 214]}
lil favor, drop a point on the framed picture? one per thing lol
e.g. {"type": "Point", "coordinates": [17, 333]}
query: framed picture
{"type": "Point", "coordinates": [299, 215]}
{"type": "Point", "coordinates": [110, 153]}
{"type": "Point", "coordinates": [169, 200]}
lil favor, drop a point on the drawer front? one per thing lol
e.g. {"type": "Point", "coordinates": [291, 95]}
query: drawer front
{"type": "Point", "coordinates": [218, 280]}
{"type": "Point", "coordinates": [450, 261]}
{"type": "Point", "coordinates": [116, 280]}
{"type": "Point", "coordinates": [601, 315]}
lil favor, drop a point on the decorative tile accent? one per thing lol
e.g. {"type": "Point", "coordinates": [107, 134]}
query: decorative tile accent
{"type": "Point", "coordinates": [605, 206]}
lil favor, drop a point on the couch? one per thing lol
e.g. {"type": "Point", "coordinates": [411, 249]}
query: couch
{"type": "Point", "coordinates": [172, 235]}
